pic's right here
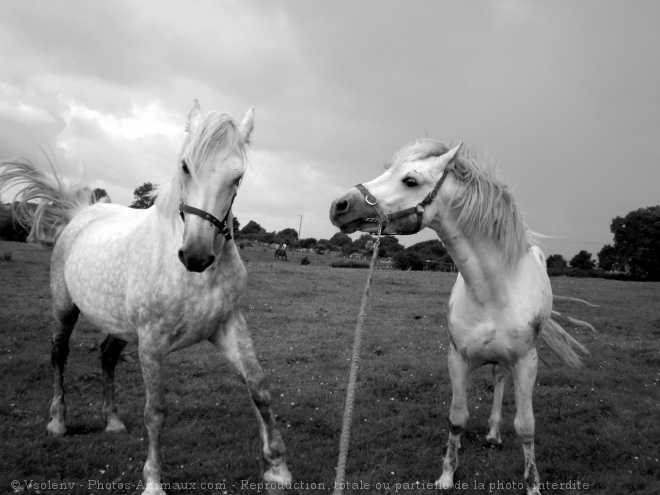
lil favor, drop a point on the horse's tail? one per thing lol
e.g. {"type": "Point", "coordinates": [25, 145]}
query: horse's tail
{"type": "Point", "coordinates": [564, 298]}
{"type": "Point", "coordinates": [559, 340]}
{"type": "Point", "coordinates": [57, 201]}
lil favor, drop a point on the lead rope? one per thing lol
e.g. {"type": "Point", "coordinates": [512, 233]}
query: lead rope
{"type": "Point", "coordinates": [340, 477]}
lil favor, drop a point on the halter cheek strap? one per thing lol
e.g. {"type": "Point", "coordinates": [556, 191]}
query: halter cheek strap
{"type": "Point", "coordinates": [371, 200]}
{"type": "Point", "coordinates": [384, 218]}
{"type": "Point", "coordinates": [220, 225]}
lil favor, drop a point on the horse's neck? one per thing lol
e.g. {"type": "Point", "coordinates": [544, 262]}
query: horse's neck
{"type": "Point", "coordinates": [478, 261]}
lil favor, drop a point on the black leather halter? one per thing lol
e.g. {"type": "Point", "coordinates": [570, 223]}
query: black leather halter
{"type": "Point", "coordinates": [220, 225]}
{"type": "Point", "coordinates": [384, 218]}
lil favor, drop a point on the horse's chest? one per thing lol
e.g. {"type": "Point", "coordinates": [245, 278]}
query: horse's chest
{"type": "Point", "coordinates": [491, 336]}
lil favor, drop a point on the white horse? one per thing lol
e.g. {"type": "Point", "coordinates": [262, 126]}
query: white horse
{"type": "Point", "coordinates": [156, 277]}
{"type": "Point", "coordinates": [501, 303]}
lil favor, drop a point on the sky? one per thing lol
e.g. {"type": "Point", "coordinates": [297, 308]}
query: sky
{"type": "Point", "coordinates": [562, 96]}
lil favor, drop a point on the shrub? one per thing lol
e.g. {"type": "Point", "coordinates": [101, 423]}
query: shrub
{"type": "Point", "coordinates": [349, 264]}
{"type": "Point", "coordinates": [438, 266]}
{"type": "Point", "coordinates": [595, 273]}
{"type": "Point", "coordinates": [6, 256]}
{"type": "Point", "coordinates": [408, 260]}
{"type": "Point", "coordinates": [308, 243]}
{"type": "Point", "coordinates": [304, 260]}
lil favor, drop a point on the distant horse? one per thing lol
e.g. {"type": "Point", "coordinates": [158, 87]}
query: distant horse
{"type": "Point", "coordinates": [501, 303]}
{"type": "Point", "coordinates": [281, 254]}
{"type": "Point", "coordinates": [166, 277]}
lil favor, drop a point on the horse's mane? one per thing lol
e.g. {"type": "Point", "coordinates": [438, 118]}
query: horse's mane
{"type": "Point", "coordinates": [487, 208]}
{"type": "Point", "coordinates": [216, 132]}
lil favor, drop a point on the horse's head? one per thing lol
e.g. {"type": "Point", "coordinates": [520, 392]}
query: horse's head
{"type": "Point", "coordinates": [211, 166]}
{"type": "Point", "coordinates": [406, 198]}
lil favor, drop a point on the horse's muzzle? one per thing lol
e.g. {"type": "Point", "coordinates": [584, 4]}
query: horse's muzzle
{"type": "Point", "coordinates": [351, 213]}
{"type": "Point", "coordinates": [195, 262]}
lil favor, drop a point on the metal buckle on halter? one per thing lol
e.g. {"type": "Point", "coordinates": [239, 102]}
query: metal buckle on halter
{"type": "Point", "coordinates": [370, 203]}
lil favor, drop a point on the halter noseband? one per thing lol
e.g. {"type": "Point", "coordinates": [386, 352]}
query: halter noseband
{"type": "Point", "coordinates": [384, 218]}
{"type": "Point", "coordinates": [220, 225]}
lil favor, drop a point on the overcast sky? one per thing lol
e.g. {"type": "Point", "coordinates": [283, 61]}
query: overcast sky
{"type": "Point", "coordinates": [563, 95]}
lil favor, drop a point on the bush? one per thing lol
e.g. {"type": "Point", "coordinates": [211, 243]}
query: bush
{"type": "Point", "coordinates": [408, 260]}
{"type": "Point", "coordinates": [6, 256]}
{"type": "Point", "coordinates": [304, 260]}
{"type": "Point", "coordinates": [308, 243]}
{"type": "Point", "coordinates": [347, 249]}
{"type": "Point", "coordinates": [438, 266]}
{"type": "Point", "coordinates": [349, 264]}
{"type": "Point", "coordinates": [10, 230]}
{"type": "Point", "coordinates": [595, 273]}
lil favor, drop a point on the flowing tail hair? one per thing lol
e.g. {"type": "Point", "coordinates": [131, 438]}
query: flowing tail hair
{"type": "Point", "coordinates": [559, 341]}
{"type": "Point", "coordinates": [57, 201]}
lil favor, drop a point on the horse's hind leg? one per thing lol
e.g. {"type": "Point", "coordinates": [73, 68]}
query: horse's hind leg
{"type": "Point", "coordinates": [66, 316]}
{"type": "Point", "coordinates": [459, 373]}
{"type": "Point", "coordinates": [110, 351]}
{"type": "Point", "coordinates": [236, 345]}
{"type": "Point", "coordinates": [524, 376]}
{"type": "Point", "coordinates": [500, 376]}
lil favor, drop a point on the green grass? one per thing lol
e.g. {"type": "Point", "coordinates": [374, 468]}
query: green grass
{"type": "Point", "coordinates": [598, 425]}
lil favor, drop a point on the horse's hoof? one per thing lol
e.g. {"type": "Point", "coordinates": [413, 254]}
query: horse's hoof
{"type": "Point", "coordinates": [115, 426]}
{"type": "Point", "coordinates": [446, 482]}
{"type": "Point", "coordinates": [56, 428]}
{"type": "Point", "coordinates": [154, 491]}
{"type": "Point", "coordinates": [277, 478]}
{"type": "Point", "coordinates": [494, 442]}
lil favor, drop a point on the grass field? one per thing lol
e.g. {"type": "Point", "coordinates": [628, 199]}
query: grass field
{"type": "Point", "coordinates": [599, 425]}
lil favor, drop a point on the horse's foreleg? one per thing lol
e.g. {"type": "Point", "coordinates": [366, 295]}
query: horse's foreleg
{"type": "Point", "coordinates": [236, 345]}
{"type": "Point", "coordinates": [65, 320]}
{"type": "Point", "coordinates": [110, 351]}
{"type": "Point", "coordinates": [524, 377]}
{"type": "Point", "coordinates": [458, 416]}
{"type": "Point", "coordinates": [155, 413]}
{"type": "Point", "coordinates": [500, 376]}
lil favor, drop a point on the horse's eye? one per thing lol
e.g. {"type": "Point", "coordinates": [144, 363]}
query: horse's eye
{"type": "Point", "coordinates": [184, 166]}
{"type": "Point", "coordinates": [410, 182]}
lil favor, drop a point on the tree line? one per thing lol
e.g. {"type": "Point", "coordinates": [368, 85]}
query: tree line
{"type": "Point", "coordinates": [635, 253]}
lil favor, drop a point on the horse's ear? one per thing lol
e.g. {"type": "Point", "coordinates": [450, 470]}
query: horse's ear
{"type": "Point", "coordinates": [451, 154]}
{"type": "Point", "coordinates": [194, 116]}
{"type": "Point", "coordinates": [247, 125]}
{"type": "Point", "coordinates": [444, 160]}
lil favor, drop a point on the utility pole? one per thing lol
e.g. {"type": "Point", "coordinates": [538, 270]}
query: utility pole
{"type": "Point", "coordinates": [300, 227]}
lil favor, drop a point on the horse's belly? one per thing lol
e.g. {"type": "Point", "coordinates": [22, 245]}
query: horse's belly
{"type": "Point", "coordinates": [102, 302]}
{"type": "Point", "coordinates": [95, 274]}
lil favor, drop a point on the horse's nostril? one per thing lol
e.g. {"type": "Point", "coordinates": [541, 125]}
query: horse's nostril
{"type": "Point", "coordinates": [342, 206]}
{"type": "Point", "coordinates": [181, 257]}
